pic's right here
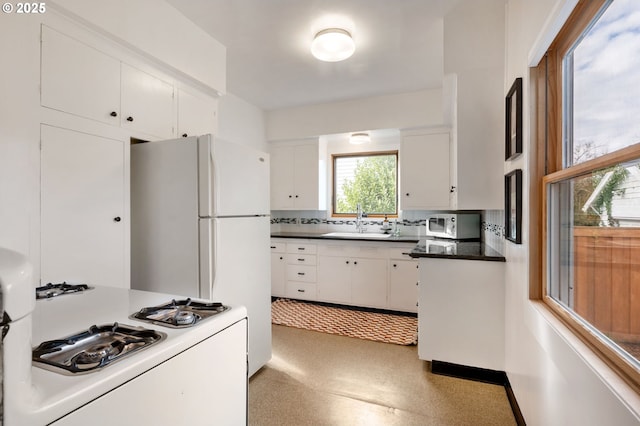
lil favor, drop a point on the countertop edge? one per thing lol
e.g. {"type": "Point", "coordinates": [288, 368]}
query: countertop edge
{"type": "Point", "coordinates": [479, 250]}
{"type": "Point", "coordinates": [310, 236]}
{"type": "Point", "coordinates": [458, 257]}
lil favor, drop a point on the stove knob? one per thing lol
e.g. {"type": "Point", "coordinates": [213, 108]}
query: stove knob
{"type": "Point", "coordinates": [117, 219]}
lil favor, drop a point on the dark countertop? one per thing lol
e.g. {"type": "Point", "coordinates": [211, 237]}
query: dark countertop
{"type": "Point", "coordinates": [360, 237]}
{"type": "Point", "coordinates": [464, 250]}
{"type": "Point", "coordinates": [426, 247]}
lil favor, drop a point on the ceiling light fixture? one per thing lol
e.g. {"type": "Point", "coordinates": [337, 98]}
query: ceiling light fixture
{"type": "Point", "coordinates": [359, 138]}
{"type": "Point", "coordinates": [333, 45]}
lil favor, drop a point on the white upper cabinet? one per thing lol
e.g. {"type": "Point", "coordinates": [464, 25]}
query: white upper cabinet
{"type": "Point", "coordinates": [79, 79]}
{"type": "Point", "coordinates": [147, 103]}
{"type": "Point", "coordinates": [197, 115]}
{"type": "Point", "coordinates": [83, 222]}
{"type": "Point", "coordinates": [297, 177]}
{"type": "Point", "coordinates": [425, 171]}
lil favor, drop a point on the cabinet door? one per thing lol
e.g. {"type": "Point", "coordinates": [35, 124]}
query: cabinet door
{"type": "Point", "coordinates": [369, 282]}
{"type": "Point", "coordinates": [82, 209]}
{"type": "Point", "coordinates": [78, 79]}
{"type": "Point", "coordinates": [278, 274]}
{"type": "Point", "coordinates": [424, 171]}
{"type": "Point", "coordinates": [147, 103]}
{"type": "Point", "coordinates": [197, 115]}
{"type": "Point", "coordinates": [334, 279]}
{"type": "Point", "coordinates": [306, 177]}
{"type": "Point", "coordinates": [403, 285]}
{"type": "Point", "coordinates": [282, 178]}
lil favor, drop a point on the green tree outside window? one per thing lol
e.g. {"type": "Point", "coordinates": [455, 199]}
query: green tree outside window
{"type": "Point", "coordinates": [369, 180]}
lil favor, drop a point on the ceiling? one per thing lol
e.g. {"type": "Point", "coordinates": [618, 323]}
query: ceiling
{"type": "Point", "coordinates": [399, 47]}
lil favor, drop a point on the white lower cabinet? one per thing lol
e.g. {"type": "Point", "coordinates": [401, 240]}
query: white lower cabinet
{"type": "Point", "coordinates": [368, 274]}
{"type": "Point", "coordinates": [301, 270]}
{"type": "Point", "coordinates": [403, 285]}
{"type": "Point", "coordinates": [278, 269]}
{"type": "Point", "coordinates": [334, 279]}
{"type": "Point", "coordinates": [369, 283]}
{"type": "Point", "coordinates": [352, 281]}
{"type": "Point", "coordinates": [461, 314]}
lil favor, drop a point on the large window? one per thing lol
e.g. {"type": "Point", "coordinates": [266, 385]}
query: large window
{"type": "Point", "coordinates": [589, 150]}
{"type": "Point", "coordinates": [370, 180]}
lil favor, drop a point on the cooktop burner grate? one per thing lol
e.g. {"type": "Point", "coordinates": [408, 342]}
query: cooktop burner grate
{"type": "Point", "coordinates": [95, 348]}
{"type": "Point", "coordinates": [180, 313]}
{"type": "Point", "coordinates": [50, 290]}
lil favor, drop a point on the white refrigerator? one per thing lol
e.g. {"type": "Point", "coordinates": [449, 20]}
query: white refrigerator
{"type": "Point", "coordinates": [200, 227]}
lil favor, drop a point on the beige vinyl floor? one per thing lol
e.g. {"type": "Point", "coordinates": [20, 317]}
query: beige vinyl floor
{"type": "Point", "coordinates": [321, 379]}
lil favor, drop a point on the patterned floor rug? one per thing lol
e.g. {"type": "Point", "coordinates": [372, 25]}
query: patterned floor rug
{"type": "Point", "coordinates": [381, 327]}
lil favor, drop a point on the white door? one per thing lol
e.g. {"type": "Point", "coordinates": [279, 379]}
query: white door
{"type": "Point", "coordinates": [241, 276]}
{"type": "Point", "coordinates": [282, 178]}
{"type": "Point", "coordinates": [424, 171]}
{"type": "Point", "coordinates": [197, 115]}
{"type": "Point", "coordinates": [239, 178]}
{"type": "Point", "coordinates": [147, 103]}
{"type": "Point", "coordinates": [369, 282]}
{"type": "Point", "coordinates": [334, 279]}
{"type": "Point", "coordinates": [79, 79]}
{"type": "Point", "coordinates": [306, 177]}
{"type": "Point", "coordinates": [82, 210]}
{"type": "Point", "coordinates": [164, 217]}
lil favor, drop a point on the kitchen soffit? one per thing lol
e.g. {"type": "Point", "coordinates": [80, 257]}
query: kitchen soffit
{"type": "Point", "coordinates": [399, 47]}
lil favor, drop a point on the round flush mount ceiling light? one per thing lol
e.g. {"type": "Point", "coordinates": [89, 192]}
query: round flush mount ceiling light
{"type": "Point", "coordinates": [359, 138]}
{"type": "Point", "coordinates": [333, 45]}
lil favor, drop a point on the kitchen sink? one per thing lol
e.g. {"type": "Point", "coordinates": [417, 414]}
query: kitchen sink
{"type": "Point", "coordinates": [363, 235]}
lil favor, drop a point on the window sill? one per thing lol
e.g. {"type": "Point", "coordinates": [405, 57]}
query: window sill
{"type": "Point", "coordinates": [609, 377]}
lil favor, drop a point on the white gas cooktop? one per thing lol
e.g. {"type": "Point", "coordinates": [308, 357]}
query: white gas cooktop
{"type": "Point", "coordinates": [56, 394]}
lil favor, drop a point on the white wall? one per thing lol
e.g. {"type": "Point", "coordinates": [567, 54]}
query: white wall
{"type": "Point", "coordinates": [556, 379]}
{"type": "Point", "coordinates": [241, 122]}
{"type": "Point", "coordinates": [20, 133]}
{"type": "Point", "coordinates": [398, 111]}
{"type": "Point", "coordinates": [156, 30]}
{"type": "Point", "coordinates": [474, 54]}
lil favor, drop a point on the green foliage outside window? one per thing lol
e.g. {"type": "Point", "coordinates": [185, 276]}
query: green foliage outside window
{"type": "Point", "coordinates": [373, 186]}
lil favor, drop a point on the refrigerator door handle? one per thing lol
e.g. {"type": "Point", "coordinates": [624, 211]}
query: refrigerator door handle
{"type": "Point", "coordinates": [207, 257]}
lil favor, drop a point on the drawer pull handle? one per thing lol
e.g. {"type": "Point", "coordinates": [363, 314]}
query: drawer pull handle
{"type": "Point", "coordinates": [273, 246]}
{"type": "Point", "coordinates": [300, 248]}
{"type": "Point", "coordinates": [300, 260]}
{"type": "Point", "coordinates": [300, 290]}
{"type": "Point", "coordinates": [301, 273]}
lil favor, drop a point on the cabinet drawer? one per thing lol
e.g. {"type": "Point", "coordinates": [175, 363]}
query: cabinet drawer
{"type": "Point", "coordinates": [278, 247]}
{"type": "Point", "coordinates": [301, 273]}
{"type": "Point", "coordinates": [301, 290]}
{"type": "Point", "coordinates": [301, 248]}
{"type": "Point", "coordinates": [301, 259]}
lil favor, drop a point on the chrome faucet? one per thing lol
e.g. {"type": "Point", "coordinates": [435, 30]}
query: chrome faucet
{"type": "Point", "coordinates": [359, 214]}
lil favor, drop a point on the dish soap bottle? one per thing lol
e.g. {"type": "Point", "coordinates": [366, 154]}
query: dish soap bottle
{"type": "Point", "coordinates": [385, 224]}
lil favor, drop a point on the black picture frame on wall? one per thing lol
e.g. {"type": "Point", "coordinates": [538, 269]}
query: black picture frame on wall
{"type": "Point", "coordinates": [513, 206]}
{"type": "Point", "coordinates": [513, 120]}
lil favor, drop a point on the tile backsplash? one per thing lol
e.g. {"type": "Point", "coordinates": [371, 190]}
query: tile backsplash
{"type": "Point", "coordinates": [410, 223]}
{"type": "Point", "coordinates": [493, 229]}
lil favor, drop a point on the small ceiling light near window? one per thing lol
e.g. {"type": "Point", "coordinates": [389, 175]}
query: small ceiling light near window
{"type": "Point", "coordinates": [333, 45]}
{"type": "Point", "coordinates": [359, 138]}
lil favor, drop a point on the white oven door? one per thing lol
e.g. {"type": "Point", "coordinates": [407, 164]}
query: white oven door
{"type": "Point", "coordinates": [204, 385]}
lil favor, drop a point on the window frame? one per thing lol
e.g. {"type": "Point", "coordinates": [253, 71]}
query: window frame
{"type": "Point", "coordinates": [548, 167]}
{"type": "Point", "coordinates": [335, 156]}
